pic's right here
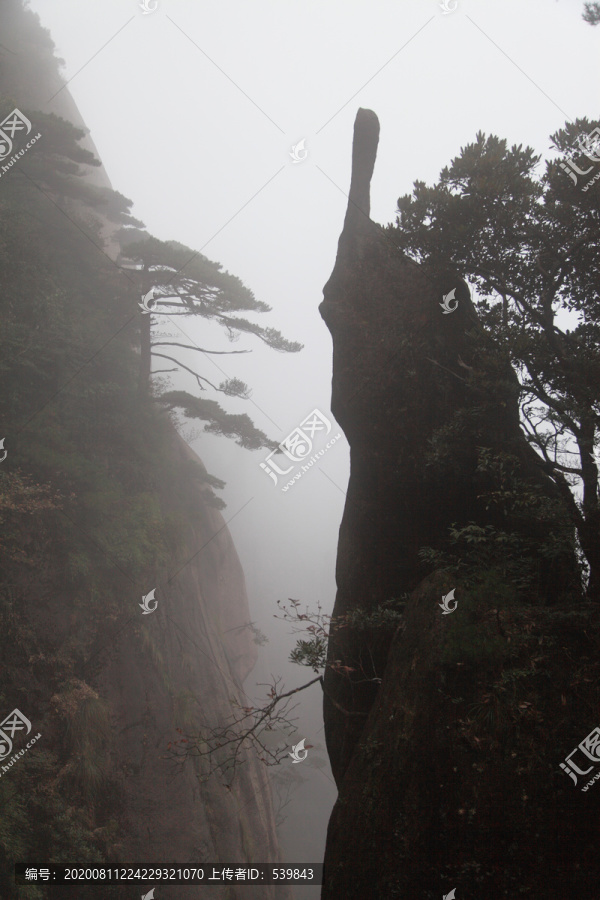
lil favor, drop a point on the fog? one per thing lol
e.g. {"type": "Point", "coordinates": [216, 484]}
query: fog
{"type": "Point", "coordinates": [194, 109]}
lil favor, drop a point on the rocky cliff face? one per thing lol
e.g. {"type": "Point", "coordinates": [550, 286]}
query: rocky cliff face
{"type": "Point", "coordinates": [437, 763]}
{"type": "Point", "coordinates": [108, 716]}
{"type": "Point", "coordinates": [185, 669]}
{"type": "Point", "coordinates": [180, 667]}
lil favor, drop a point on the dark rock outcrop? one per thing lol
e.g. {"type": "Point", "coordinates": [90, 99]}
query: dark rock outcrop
{"type": "Point", "coordinates": [455, 781]}
{"type": "Point", "coordinates": [418, 393]}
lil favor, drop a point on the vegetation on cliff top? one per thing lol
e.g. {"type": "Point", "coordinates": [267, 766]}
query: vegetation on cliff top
{"type": "Point", "coordinates": [529, 245]}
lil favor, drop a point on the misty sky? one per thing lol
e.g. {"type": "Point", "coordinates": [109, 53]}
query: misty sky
{"type": "Point", "coordinates": [194, 109]}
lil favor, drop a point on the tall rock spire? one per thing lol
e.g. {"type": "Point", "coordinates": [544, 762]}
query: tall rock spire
{"type": "Point", "coordinates": [420, 395]}
{"type": "Point", "coordinates": [364, 152]}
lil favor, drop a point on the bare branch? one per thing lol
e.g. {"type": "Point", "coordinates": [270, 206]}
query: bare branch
{"type": "Point", "coordinates": [542, 443]}
{"type": "Point", "coordinates": [236, 736]}
{"type": "Point", "coordinates": [201, 349]}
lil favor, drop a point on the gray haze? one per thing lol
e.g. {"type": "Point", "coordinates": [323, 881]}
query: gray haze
{"type": "Point", "coordinates": [194, 109]}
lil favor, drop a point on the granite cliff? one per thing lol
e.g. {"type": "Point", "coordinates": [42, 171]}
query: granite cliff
{"type": "Point", "coordinates": [445, 732]}
{"type": "Point", "coordinates": [101, 501]}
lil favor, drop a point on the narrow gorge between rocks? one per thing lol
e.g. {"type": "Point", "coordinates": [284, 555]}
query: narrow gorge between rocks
{"type": "Point", "coordinates": [364, 656]}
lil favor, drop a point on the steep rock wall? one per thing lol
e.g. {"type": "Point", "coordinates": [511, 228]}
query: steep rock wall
{"type": "Point", "coordinates": [402, 372]}
{"type": "Point", "coordinates": [190, 672]}
{"type": "Point", "coordinates": [455, 781]}
{"type": "Point", "coordinates": [408, 379]}
{"type": "Point", "coordinates": [183, 666]}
